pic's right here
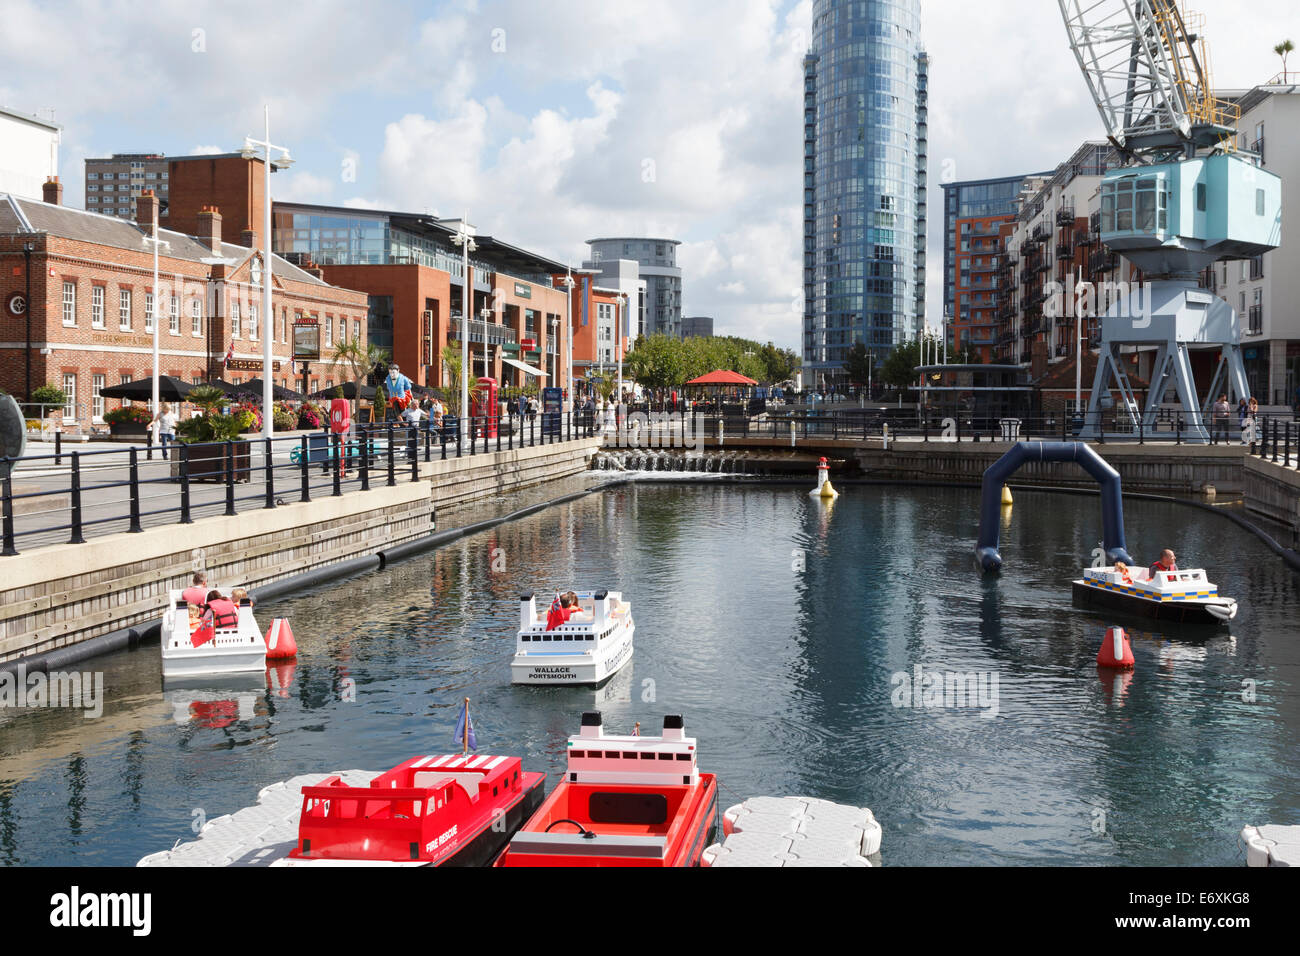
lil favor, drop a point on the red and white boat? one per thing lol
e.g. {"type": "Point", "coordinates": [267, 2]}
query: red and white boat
{"type": "Point", "coordinates": [624, 801]}
{"type": "Point", "coordinates": [452, 810]}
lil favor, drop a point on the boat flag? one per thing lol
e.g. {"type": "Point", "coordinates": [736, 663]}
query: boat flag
{"type": "Point", "coordinates": [555, 615]}
{"type": "Point", "coordinates": [230, 353]}
{"type": "Point", "coordinates": [465, 730]}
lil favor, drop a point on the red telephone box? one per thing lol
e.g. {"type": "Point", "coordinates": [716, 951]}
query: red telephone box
{"type": "Point", "coordinates": [483, 407]}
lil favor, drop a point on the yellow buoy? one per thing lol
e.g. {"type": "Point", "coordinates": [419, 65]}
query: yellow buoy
{"type": "Point", "coordinates": [823, 489]}
{"type": "Point", "coordinates": [1006, 495]}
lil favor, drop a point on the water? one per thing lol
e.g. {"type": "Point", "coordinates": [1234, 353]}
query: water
{"type": "Point", "coordinates": [786, 675]}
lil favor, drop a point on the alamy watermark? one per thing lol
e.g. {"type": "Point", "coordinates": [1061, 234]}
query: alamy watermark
{"type": "Point", "coordinates": [83, 691]}
{"type": "Point", "coordinates": [946, 690]}
{"type": "Point", "coordinates": [660, 430]}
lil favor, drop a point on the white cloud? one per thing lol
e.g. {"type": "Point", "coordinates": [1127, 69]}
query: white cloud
{"type": "Point", "coordinates": [207, 150]}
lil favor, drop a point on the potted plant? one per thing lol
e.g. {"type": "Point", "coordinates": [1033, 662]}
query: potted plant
{"type": "Point", "coordinates": [206, 435]}
{"type": "Point", "coordinates": [129, 421]}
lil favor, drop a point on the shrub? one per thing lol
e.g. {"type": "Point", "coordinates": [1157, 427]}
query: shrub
{"type": "Point", "coordinates": [310, 415]}
{"type": "Point", "coordinates": [128, 415]}
{"type": "Point", "coordinates": [49, 395]}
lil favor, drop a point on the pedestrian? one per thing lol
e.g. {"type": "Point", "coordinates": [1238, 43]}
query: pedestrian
{"type": "Point", "coordinates": [164, 425]}
{"type": "Point", "coordinates": [1221, 411]}
{"type": "Point", "coordinates": [1252, 418]}
{"type": "Point", "coordinates": [1243, 409]}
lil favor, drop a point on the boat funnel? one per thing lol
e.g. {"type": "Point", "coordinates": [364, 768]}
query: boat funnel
{"type": "Point", "coordinates": [674, 727]}
{"type": "Point", "coordinates": [591, 725]}
{"type": "Point", "coordinates": [527, 611]}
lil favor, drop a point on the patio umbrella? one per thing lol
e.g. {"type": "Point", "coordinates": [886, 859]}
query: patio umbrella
{"type": "Point", "coordinates": [278, 392]}
{"type": "Point", "coordinates": [349, 391]}
{"type": "Point", "coordinates": [141, 390]}
{"type": "Point", "coordinates": [722, 377]}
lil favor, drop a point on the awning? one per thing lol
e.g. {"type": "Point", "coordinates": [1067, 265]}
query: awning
{"type": "Point", "coordinates": [523, 366]}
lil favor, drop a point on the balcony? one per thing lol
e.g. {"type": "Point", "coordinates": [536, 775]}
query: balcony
{"type": "Point", "coordinates": [1084, 238]}
{"type": "Point", "coordinates": [1065, 216]}
{"type": "Point", "coordinates": [1040, 233]}
{"type": "Point", "coordinates": [1094, 223]}
{"type": "Point", "coordinates": [1064, 250]}
{"type": "Point", "coordinates": [1255, 320]}
{"type": "Point", "coordinates": [496, 334]}
{"type": "Point", "coordinates": [1102, 261]}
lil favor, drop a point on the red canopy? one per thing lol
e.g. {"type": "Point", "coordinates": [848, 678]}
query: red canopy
{"type": "Point", "coordinates": [722, 377]}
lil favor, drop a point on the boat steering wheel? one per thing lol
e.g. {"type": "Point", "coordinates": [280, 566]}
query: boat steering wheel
{"type": "Point", "coordinates": [586, 834]}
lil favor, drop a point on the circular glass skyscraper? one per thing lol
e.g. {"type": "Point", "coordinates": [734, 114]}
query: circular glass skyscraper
{"type": "Point", "coordinates": [864, 182]}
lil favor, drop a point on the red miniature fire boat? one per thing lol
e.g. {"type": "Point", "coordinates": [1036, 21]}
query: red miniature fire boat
{"type": "Point", "coordinates": [624, 801]}
{"type": "Point", "coordinates": [453, 810]}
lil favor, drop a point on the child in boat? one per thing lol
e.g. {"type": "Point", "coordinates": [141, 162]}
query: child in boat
{"type": "Point", "coordinates": [239, 595]}
{"type": "Point", "coordinates": [576, 609]}
{"type": "Point", "coordinates": [221, 612]}
{"type": "Point", "coordinates": [1122, 570]}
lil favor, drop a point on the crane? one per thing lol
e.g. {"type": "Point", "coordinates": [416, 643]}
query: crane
{"type": "Point", "coordinates": [1182, 198]}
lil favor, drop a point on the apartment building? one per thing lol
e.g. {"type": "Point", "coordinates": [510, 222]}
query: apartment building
{"type": "Point", "coordinates": [113, 184]}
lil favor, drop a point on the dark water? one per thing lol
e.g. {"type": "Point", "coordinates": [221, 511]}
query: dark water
{"type": "Point", "coordinates": [785, 673]}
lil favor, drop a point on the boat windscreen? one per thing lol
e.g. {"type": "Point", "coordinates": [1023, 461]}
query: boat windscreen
{"type": "Point", "coordinates": [645, 809]}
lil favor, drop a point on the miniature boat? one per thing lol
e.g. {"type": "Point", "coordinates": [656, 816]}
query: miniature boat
{"type": "Point", "coordinates": [588, 649]}
{"type": "Point", "coordinates": [452, 810]}
{"type": "Point", "coordinates": [624, 801]}
{"type": "Point", "coordinates": [1182, 596]}
{"type": "Point", "coordinates": [227, 650]}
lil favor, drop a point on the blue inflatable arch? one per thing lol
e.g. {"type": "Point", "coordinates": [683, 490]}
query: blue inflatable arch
{"type": "Point", "coordinates": [1112, 503]}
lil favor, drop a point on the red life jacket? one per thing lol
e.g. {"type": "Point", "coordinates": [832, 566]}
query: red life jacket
{"type": "Point", "coordinates": [224, 613]}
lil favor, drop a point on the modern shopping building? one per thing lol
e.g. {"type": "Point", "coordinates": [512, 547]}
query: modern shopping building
{"type": "Point", "coordinates": [864, 186]}
{"type": "Point", "coordinates": [77, 304]}
{"type": "Point", "coordinates": [113, 184]}
{"type": "Point", "coordinates": [657, 266]}
{"type": "Point", "coordinates": [29, 153]}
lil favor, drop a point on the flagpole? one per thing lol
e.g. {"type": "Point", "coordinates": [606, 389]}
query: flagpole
{"type": "Point", "coordinates": [464, 742]}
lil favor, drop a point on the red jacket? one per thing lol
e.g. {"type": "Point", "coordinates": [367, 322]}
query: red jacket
{"type": "Point", "coordinates": [1157, 568]}
{"type": "Point", "coordinates": [195, 595]}
{"type": "Point", "coordinates": [224, 613]}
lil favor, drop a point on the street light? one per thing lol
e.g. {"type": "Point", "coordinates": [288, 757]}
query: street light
{"type": "Point", "coordinates": [250, 152]}
{"type": "Point", "coordinates": [622, 301]}
{"type": "Point", "coordinates": [568, 300]}
{"type": "Point", "coordinates": [464, 237]}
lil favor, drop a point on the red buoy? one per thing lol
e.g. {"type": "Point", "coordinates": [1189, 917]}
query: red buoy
{"type": "Point", "coordinates": [1115, 650]}
{"type": "Point", "coordinates": [279, 641]}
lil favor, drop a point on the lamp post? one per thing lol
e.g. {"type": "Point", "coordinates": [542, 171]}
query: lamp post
{"type": "Point", "coordinates": [568, 305]}
{"type": "Point", "coordinates": [28, 248]}
{"type": "Point", "coordinates": [464, 238]}
{"type": "Point", "coordinates": [555, 356]}
{"type": "Point", "coordinates": [268, 313]}
{"type": "Point", "coordinates": [622, 302]}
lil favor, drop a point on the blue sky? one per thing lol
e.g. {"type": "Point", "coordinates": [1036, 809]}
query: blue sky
{"type": "Point", "coordinates": [552, 123]}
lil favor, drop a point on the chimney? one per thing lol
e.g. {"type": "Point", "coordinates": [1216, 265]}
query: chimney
{"type": "Point", "coordinates": [146, 208]}
{"type": "Point", "coordinates": [52, 191]}
{"type": "Point", "coordinates": [248, 239]}
{"type": "Point", "coordinates": [209, 231]}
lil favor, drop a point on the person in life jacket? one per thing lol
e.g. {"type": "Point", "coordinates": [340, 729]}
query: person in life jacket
{"type": "Point", "coordinates": [197, 592]}
{"type": "Point", "coordinates": [561, 609]}
{"type": "Point", "coordinates": [222, 610]}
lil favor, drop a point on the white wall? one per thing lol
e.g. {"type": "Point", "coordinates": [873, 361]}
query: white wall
{"type": "Point", "coordinates": [29, 153]}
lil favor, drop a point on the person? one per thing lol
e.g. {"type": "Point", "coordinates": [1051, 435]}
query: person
{"type": "Point", "coordinates": [575, 609]}
{"type": "Point", "coordinates": [197, 593]}
{"type": "Point", "coordinates": [1122, 570]}
{"type": "Point", "coordinates": [1221, 410]}
{"type": "Point", "coordinates": [1166, 563]}
{"type": "Point", "coordinates": [559, 612]}
{"type": "Point", "coordinates": [532, 409]}
{"type": "Point", "coordinates": [413, 415]}
{"type": "Point", "coordinates": [1243, 409]}
{"type": "Point", "coordinates": [221, 612]}
{"type": "Point", "coordinates": [165, 426]}
{"type": "Point", "coordinates": [238, 596]}
{"type": "Point", "coordinates": [1252, 420]}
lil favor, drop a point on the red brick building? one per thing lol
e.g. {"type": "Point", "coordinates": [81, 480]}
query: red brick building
{"type": "Point", "coordinates": [92, 311]}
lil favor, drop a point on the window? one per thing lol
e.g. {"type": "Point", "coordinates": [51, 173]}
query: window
{"type": "Point", "coordinates": [329, 330]}
{"type": "Point", "coordinates": [97, 307]}
{"type": "Point", "coordinates": [234, 319]}
{"type": "Point", "coordinates": [70, 393]}
{"type": "Point", "coordinates": [196, 317]}
{"type": "Point", "coordinates": [1200, 197]}
{"type": "Point", "coordinates": [124, 309]}
{"type": "Point", "coordinates": [252, 321]}
{"type": "Point", "coordinates": [69, 303]}
{"type": "Point", "coordinates": [92, 175]}
{"type": "Point", "coordinates": [96, 400]}
{"type": "Point", "coordinates": [343, 330]}
{"type": "Point", "coordinates": [174, 318]}
{"type": "Point", "coordinates": [148, 311]}
{"type": "Point", "coordinates": [356, 330]}
{"type": "Point", "coordinates": [1259, 202]}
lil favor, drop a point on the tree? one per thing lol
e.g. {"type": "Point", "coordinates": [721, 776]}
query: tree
{"type": "Point", "coordinates": [1283, 49]}
{"type": "Point", "coordinates": [360, 360]}
{"type": "Point", "coordinates": [859, 364]}
{"type": "Point", "coordinates": [452, 363]}
{"type": "Point", "coordinates": [899, 367]}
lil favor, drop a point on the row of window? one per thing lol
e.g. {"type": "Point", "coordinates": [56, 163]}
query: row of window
{"type": "Point", "coordinates": [124, 175]}
{"type": "Point", "coordinates": [92, 187]}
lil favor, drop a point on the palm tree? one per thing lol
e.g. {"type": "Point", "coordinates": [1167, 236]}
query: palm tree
{"type": "Point", "coordinates": [451, 362]}
{"type": "Point", "coordinates": [360, 359]}
{"type": "Point", "coordinates": [1282, 49]}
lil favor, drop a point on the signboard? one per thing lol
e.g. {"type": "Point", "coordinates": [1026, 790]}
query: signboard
{"type": "Point", "coordinates": [528, 345]}
{"type": "Point", "coordinates": [306, 341]}
{"type": "Point", "coordinates": [552, 408]}
{"type": "Point", "coordinates": [523, 291]}
{"type": "Point", "coordinates": [249, 365]}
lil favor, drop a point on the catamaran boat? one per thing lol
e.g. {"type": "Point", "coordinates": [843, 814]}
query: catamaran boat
{"type": "Point", "coordinates": [449, 810]}
{"type": "Point", "coordinates": [226, 650]}
{"type": "Point", "coordinates": [624, 801]}
{"type": "Point", "coordinates": [1185, 596]}
{"type": "Point", "coordinates": [587, 649]}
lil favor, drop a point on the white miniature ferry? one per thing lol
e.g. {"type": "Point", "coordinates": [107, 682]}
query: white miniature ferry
{"type": "Point", "coordinates": [1183, 596]}
{"type": "Point", "coordinates": [587, 649]}
{"type": "Point", "coordinates": [228, 650]}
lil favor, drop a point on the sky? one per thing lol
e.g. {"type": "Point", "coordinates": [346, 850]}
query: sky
{"type": "Point", "coordinates": [552, 123]}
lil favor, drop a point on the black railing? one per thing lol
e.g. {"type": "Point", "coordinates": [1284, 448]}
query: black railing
{"type": "Point", "coordinates": [69, 496]}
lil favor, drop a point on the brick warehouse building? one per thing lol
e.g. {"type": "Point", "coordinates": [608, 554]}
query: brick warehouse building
{"type": "Point", "coordinates": [91, 281]}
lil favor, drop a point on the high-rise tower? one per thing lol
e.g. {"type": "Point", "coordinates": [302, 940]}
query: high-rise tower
{"type": "Point", "coordinates": [864, 182]}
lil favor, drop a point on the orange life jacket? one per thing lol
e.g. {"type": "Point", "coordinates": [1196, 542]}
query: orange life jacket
{"type": "Point", "coordinates": [224, 613]}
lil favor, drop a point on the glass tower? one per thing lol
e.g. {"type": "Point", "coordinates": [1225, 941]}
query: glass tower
{"type": "Point", "coordinates": [864, 182]}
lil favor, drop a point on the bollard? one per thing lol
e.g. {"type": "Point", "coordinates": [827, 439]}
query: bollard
{"type": "Point", "coordinates": [230, 478]}
{"type": "Point", "coordinates": [186, 518]}
{"type": "Point", "coordinates": [270, 472]}
{"type": "Point", "coordinates": [75, 491]}
{"type": "Point", "coordinates": [8, 491]}
{"type": "Point", "coordinates": [134, 527]}
{"type": "Point", "coordinates": [303, 463]}
{"type": "Point", "coordinates": [58, 447]}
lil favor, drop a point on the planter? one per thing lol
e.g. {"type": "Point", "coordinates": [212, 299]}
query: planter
{"type": "Point", "coordinates": [208, 461]}
{"type": "Point", "coordinates": [128, 430]}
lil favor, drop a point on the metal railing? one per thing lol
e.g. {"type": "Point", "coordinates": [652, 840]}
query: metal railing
{"type": "Point", "coordinates": [69, 496]}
